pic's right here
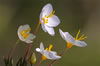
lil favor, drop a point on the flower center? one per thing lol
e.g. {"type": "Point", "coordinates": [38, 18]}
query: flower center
{"type": "Point", "coordinates": [44, 57]}
{"type": "Point", "coordinates": [25, 33]}
{"type": "Point", "coordinates": [81, 37]}
{"type": "Point", "coordinates": [69, 45]}
{"type": "Point", "coordinates": [45, 18]}
{"type": "Point", "coordinates": [49, 49]}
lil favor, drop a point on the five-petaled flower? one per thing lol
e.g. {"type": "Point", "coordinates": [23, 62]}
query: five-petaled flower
{"type": "Point", "coordinates": [48, 20]}
{"type": "Point", "coordinates": [47, 53]}
{"type": "Point", "coordinates": [73, 41]}
{"type": "Point", "coordinates": [24, 34]}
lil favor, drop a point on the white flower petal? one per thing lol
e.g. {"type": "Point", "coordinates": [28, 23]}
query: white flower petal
{"type": "Point", "coordinates": [43, 27]}
{"type": "Point", "coordinates": [20, 36]}
{"type": "Point", "coordinates": [48, 54]}
{"type": "Point", "coordinates": [41, 49]}
{"type": "Point", "coordinates": [53, 21]}
{"type": "Point", "coordinates": [50, 30]}
{"type": "Point", "coordinates": [30, 38]}
{"type": "Point", "coordinates": [25, 27]}
{"type": "Point", "coordinates": [28, 41]}
{"type": "Point", "coordinates": [41, 16]}
{"type": "Point", "coordinates": [69, 38]}
{"type": "Point", "coordinates": [38, 49]}
{"type": "Point", "coordinates": [51, 55]}
{"type": "Point", "coordinates": [19, 33]}
{"type": "Point", "coordinates": [20, 29]}
{"type": "Point", "coordinates": [62, 34]}
{"type": "Point", "coordinates": [80, 43]}
{"type": "Point", "coordinates": [41, 46]}
{"type": "Point", "coordinates": [54, 55]}
{"type": "Point", "coordinates": [47, 9]}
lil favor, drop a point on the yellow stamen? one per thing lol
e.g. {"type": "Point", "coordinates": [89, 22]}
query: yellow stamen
{"type": "Point", "coordinates": [25, 34]}
{"type": "Point", "coordinates": [50, 47]}
{"type": "Point", "coordinates": [80, 38]}
{"type": "Point", "coordinates": [45, 18]}
{"type": "Point", "coordinates": [46, 49]}
{"type": "Point", "coordinates": [69, 45]}
{"type": "Point", "coordinates": [51, 14]}
{"type": "Point", "coordinates": [77, 35]}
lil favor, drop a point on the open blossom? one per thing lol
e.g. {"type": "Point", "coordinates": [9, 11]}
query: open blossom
{"type": "Point", "coordinates": [48, 19]}
{"type": "Point", "coordinates": [73, 41]}
{"type": "Point", "coordinates": [47, 53]}
{"type": "Point", "coordinates": [24, 34]}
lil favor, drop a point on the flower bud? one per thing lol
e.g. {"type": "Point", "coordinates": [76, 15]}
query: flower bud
{"type": "Point", "coordinates": [33, 58]}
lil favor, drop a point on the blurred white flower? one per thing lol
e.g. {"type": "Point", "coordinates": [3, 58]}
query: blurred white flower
{"type": "Point", "coordinates": [47, 53]}
{"type": "Point", "coordinates": [24, 34]}
{"type": "Point", "coordinates": [48, 19]}
{"type": "Point", "coordinates": [73, 41]}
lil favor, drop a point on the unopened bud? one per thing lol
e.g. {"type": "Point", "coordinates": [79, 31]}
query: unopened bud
{"type": "Point", "coordinates": [33, 58]}
{"type": "Point", "coordinates": [11, 61]}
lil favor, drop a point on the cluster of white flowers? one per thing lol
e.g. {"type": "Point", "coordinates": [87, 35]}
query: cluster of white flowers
{"type": "Point", "coordinates": [48, 21]}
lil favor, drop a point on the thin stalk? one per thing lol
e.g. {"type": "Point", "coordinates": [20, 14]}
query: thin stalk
{"type": "Point", "coordinates": [12, 49]}
{"type": "Point", "coordinates": [27, 52]}
{"type": "Point", "coordinates": [62, 53]}
{"type": "Point", "coordinates": [37, 28]}
{"type": "Point", "coordinates": [30, 45]}
{"type": "Point", "coordinates": [39, 63]}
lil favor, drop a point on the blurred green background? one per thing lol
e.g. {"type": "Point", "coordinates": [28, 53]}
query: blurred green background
{"type": "Point", "coordinates": [74, 15]}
